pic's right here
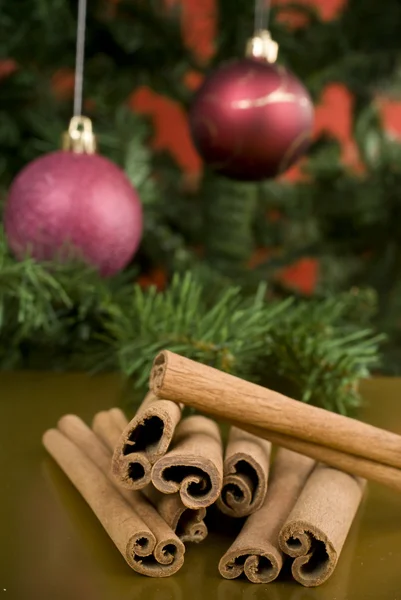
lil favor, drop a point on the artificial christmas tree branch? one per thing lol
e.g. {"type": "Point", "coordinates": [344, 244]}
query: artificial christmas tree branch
{"type": "Point", "coordinates": [66, 316]}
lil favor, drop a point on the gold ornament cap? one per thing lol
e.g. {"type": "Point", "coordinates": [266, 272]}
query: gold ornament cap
{"type": "Point", "coordinates": [80, 137]}
{"type": "Point", "coordinates": [262, 46]}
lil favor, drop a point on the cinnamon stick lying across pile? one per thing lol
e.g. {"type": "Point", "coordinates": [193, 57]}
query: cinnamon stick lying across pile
{"type": "Point", "coordinates": [360, 467]}
{"type": "Point", "coordinates": [141, 548]}
{"type": "Point", "coordinates": [187, 523]}
{"type": "Point", "coordinates": [344, 443]}
{"type": "Point", "coordinates": [315, 531]}
{"type": "Point", "coordinates": [256, 551]}
{"type": "Point", "coordinates": [194, 465]}
{"type": "Point", "coordinates": [144, 440]}
{"type": "Point", "coordinates": [246, 470]}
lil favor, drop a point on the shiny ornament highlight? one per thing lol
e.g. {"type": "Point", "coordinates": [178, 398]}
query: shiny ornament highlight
{"type": "Point", "coordinates": [65, 205]}
{"type": "Point", "coordinates": [251, 120]}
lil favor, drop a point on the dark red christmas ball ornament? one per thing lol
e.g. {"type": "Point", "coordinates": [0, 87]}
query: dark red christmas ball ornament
{"type": "Point", "coordinates": [251, 120]}
{"type": "Point", "coordinates": [68, 204]}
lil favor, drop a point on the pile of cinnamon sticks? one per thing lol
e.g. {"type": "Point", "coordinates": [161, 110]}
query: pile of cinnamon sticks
{"type": "Point", "coordinates": [151, 480]}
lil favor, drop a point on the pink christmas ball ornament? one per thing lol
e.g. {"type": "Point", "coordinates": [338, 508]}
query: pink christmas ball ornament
{"type": "Point", "coordinates": [65, 204]}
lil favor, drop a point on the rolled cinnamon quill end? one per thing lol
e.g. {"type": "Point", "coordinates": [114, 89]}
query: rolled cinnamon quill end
{"type": "Point", "coordinates": [256, 552]}
{"type": "Point", "coordinates": [246, 470]}
{"type": "Point", "coordinates": [133, 470]}
{"type": "Point", "coordinates": [144, 440]}
{"type": "Point", "coordinates": [129, 533]}
{"type": "Point", "coordinates": [169, 550]}
{"type": "Point", "coordinates": [194, 465]}
{"type": "Point", "coordinates": [315, 531]}
{"type": "Point", "coordinates": [187, 523]}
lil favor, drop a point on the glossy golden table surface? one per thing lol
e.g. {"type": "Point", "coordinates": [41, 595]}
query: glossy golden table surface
{"type": "Point", "coordinates": [52, 547]}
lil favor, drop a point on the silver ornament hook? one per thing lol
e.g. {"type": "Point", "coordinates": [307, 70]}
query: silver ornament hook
{"type": "Point", "coordinates": [80, 138]}
{"type": "Point", "coordinates": [80, 58]}
{"type": "Point", "coordinates": [262, 13]}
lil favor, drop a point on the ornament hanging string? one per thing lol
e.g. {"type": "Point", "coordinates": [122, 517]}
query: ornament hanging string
{"type": "Point", "coordinates": [79, 58]}
{"type": "Point", "coordinates": [262, 11]}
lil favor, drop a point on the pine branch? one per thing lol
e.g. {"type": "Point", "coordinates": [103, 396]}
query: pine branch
{"type": "Point", "coordinates": [74, 317]}
{"type": "Point", "coordinates": [229, 334]}
{"type": "Point", "coordinates": [51, 308]}
{"type": "Point", "coordinates": [322, 354]}
{"type": "Point", "coordinates": [314, 347]}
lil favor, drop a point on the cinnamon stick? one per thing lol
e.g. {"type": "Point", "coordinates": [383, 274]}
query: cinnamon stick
{"type": "Point", "coordinates": [187, 523]}
{"type": "Point", "coordinates": [194, 465]}
{"type": "Point", "coordinates": [144, 440]}
{"type": "Point", "coordinates": [129, 533]}
{"type": "Point", "coordinates": [119, 418]}
{"type": "Point", "coordinates": [349, 463]}
{"type": "Point", "coordinates": [315, 531]}
{"type": "Point", "coordinates": [256, 551]}
{"type": "Point", "coordinates": [168, 550]}
{"type": "Point", "coordinates": [246, 470]}
{"type": "Point", "coordinates": [228, 397]}
{"type": "Point", "coordinates": [108, 425]}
